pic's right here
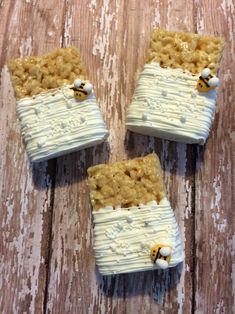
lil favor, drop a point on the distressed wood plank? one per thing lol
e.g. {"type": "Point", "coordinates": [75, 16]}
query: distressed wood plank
{"type": "Point", "coordinates": [113, 37]}
{"type": "Point", "coordinates": [167, 288]}
{"type": "Point", "coordinates": [110, 44]}
{"type": "Point", "coordinates": [214, 200]}
{"type": "Point", "coordinates": [26, 191]}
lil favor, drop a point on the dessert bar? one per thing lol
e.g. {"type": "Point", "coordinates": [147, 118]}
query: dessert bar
{"type": "Point", "coordinates": [56, 104]}
{"type": "Point", "coordinates": [175, 95]}
{"type": "Point", "coordinates": [134, 225]}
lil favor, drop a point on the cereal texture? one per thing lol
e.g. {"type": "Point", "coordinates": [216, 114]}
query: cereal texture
{"type": "Point", "coordinates": [126, 183]}
{"type": "Point", "coordinates": [33, 75]}
{"type": "Point", "coordinates": [188, 51]}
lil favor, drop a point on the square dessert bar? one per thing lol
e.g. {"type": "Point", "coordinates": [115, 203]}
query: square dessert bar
{"type": "Point", "coordinates": [134, 225]}
{"type": "Point", "coordinates": [56, 104]}
{"type": "Point", "coordinates": [175, 95]}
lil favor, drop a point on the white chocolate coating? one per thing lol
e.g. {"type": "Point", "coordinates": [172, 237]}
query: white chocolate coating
{"type": "Point", "coordinates": [55, 123]}
{"type": "Point", "coordinates": [123, 237]}
{"type": "Point", "coordinates": [166, 104]}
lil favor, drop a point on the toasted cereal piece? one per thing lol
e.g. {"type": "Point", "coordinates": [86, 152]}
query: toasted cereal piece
{"type": "Point", "coordinates": [171, 99]}
{"type": "Point", "coordinates": [126, 183]}
{"type": "Point", "coordinates": [185, 50]}
{"type": "Point", "coordinates": [46, 70]}
{"type": "Point", "coordinates": [134, 226]}
{"type": "Point", "coordinates": [57, 116]}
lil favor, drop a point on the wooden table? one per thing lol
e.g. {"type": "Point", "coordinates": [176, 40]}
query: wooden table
{"type": "Point", "coordinates": [46, 258]}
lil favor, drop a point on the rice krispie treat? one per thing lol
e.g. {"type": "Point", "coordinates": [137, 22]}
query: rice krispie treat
{"type": "Point", "coordinates": [134, 226]}
{"type": "Point", "coordinates": [175, 95]}
{"type": "Point", "coordinates": [56, 104]}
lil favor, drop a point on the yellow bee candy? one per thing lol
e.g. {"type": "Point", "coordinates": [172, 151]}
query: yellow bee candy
{"type": "Point", "coordinates": [82, 89]}
{"type": "Point", "coordinates": [161, 255]}
{"type": "Point", "coordinates": [206, 81]}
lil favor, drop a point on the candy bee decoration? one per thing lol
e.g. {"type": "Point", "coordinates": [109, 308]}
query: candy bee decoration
{"type": "Point", "coordinates": [161, 255]}
{"type": "Point", "coordinates": [206, 81]}
{"type": "Point", "coordinates": [82, 89]}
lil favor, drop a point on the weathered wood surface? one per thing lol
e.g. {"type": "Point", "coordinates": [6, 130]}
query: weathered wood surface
{"type": "Point", "coordinates": [46, 258]}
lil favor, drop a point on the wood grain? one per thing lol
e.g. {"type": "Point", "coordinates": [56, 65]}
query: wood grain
{"type": "Point", "coordinates": [214, 198]}
{"type": "Point", "coordinates": [26, 190]}
{"type": "Point", "coordinates": [47, 262]}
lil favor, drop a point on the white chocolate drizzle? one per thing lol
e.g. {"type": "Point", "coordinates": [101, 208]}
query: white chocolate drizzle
{"type": "Point", "coordinates": [123, 237]}
{"type": "Point", "coordinates": [166, 104]}
{"type": "Point", "coordinates": [55, 123]}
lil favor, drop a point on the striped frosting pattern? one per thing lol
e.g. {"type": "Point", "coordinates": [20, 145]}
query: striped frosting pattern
{"type": "Point", "coordinates": [55, 123]}
{"type": "Point", "coordinates": [166, 104]}
{"type": "Point", "coordinates": [123, 237]}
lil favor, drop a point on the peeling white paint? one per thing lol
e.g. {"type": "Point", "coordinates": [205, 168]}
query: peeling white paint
{"type": "Point", "coordinates": [188, 209]}
{"type": "Point", "coordinates": [200, 17]}
{"type": "Point", "coordinates": [56, 21]}
{"type": "Point", "coordinates": [220, 307]}
{"type": "Point", "coordinates": [26, 47]}
{"type": "Point", "coordinates": [215, 200]}
{"type": "Point", "coordinates": [68, 26]}
{"type": "Point", "coordinates": [92, 5]}
{"type": "Point", "coordinates": [157, 15]}
{"type": "Point", "coordinates": [102, 41]}
{"type": "Point", "coordinates": [227, 8]}
{"type": "Point", "coordinates": [10, 207]}
{"type": "Point", "coordinates": [219, 224]}
{"type": "Point", "coordinates": [50, 33]}
{"type": "Point", "coordinates": [25, 246]}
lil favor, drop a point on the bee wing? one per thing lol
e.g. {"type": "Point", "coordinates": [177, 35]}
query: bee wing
{"type": "Point", "coordinates": [77, 83]}
{"type": "Point", "coordinates": [205, 72]}
{"type": "Point", "coordinates": [165, 251]}
{"type": "Point", "coordinates": [162, 264]}
{"type": "Point", "coordinates": [88, 87]}
{"type": "Point", "coordinates": [213, 82]}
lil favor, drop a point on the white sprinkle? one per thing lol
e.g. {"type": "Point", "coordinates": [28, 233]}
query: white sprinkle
{"type": "Point", "coordinates": [143, 245]}
{"type": "Point", "coordinates": [145, 116]}
{"type": "Point", "coordinates": [164, 92]}
{"type": "Point", "coordinates": [129, 219]}
{"type": "Point", "coordinates": [69, 103]}
{"type": "Point", "coordinates": [63, 125]}
{"type": "Point", "coordinates": [38, 110]}
{"type": "Point", "coordinates": [119, 226]}
{"type": "Point", "coordinates": [112, 247]}
{"type": "Point", "coordinates": [82, 119]}
{"type": "Point", "coordinates": [182, 119]}
{"type": "Point", "coordinates": [40, 144]}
